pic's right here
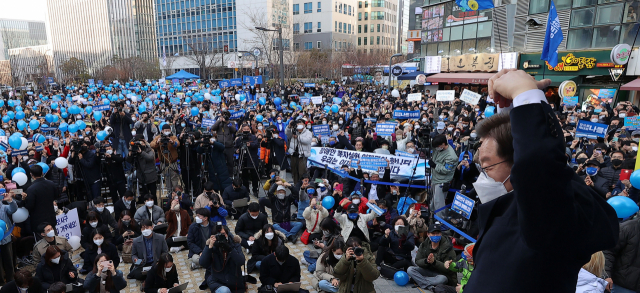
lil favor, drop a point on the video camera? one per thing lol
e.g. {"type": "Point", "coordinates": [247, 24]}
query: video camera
{"type": "Point", "coordinates": [205, 140]}
{"type": "Point", "coordinates": [136, 147]}
{"type": "Point", "coordinates": [76, 145]}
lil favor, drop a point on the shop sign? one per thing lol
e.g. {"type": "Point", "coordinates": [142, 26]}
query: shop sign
{"type": "Point", "coordinates": [597, 62]}
{"type": "Point", "coordinates": [527, 65]}
{"type": "Point", "coordinates": [567, 88]}
{"type": "Point", "coordinates": [620, 54]}
{"type": "Point", "coordinates": [573, 63]}
{"type": "Point", "coordinates": [482, 62]}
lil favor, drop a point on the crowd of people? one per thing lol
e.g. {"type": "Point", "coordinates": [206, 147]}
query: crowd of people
{"type": "Point", "coordinates": [154, 168]}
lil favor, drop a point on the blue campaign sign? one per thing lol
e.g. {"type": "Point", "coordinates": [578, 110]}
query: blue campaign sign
{"type": "Point", "coordinates": [19, 153]}
{"type": "Point", "coordinates": [463, 205]}
{"type": "Point", "coordinates": [369, 163]}
{"type": "Point", "coordinates": [175, 81]}
{"type": "Point", "coordinates": [50, 80]}
{"type": "Point", "coordinates": [100, 82]}
{"type": "Point", "coordinates": [385, 129]}
{"type": "Point", "coordinates": [632, 123]}
{"type": "Point", "coordinates": [321, 130]}
{"type": "Point", "coordinates": [252, 80]}
{"type": "Point", "coordinates": [208, 122]}
{"type": "Point", "coordinates": [175, 101]}
{"type": "Point", "coordinates": [224, 83]}
{"type": "Point", "coordinates": [405, 154]}
{"type": "Point", "coordinates": [305, 100]}
{"type": "Point", "coordinates": [193, 88]}
{"type": "Point", "coordinates": [237, 114]}
{"type": "Point", "coordinates": [48, 128]}
{"type": "Point", "coordinates": [590, 129]}
{"type": "Point", "coordinates": [101, 108]}
{"type": "Point", "coordinates": [370, 119]}
{"type": "Point", "coordinates": [236, 81]}
{"type": "Point", "coordinates": [401, 114]}
{"type": "Point", "coordinates": [309, 84]}
{"type": "Point", "coordinates": [570, 101]}
{"type": "Point", "coordinates": [337, 100]}
{"type": "Point", "coordinates": [92, 81]}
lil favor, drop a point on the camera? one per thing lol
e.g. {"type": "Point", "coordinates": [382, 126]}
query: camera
{"type": "Point", "coordinates": [76, 145]}
{"type": "Point", "coordinates": [136, 147]}
{"type": "Point", "coordinates": [358, 251]}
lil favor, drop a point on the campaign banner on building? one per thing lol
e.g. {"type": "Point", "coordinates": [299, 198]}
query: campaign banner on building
{"type": "Point", "coordinates": [470, 97]}
{"type": "Point", "coordinates": [101, 108]}
{"type": "Point", "coordinates": [337, 100]}
{"type": "Point", "coordinates": [68, 224]}
{"type": "Point", "coordinates": [237, 114]}
{"type": "Point", "coordinates": [462, 205]}
{"type": "Point", "coordinates": [235, 82]}
{"type": "Point", "coordinates": [385, 129]}
{"type": "Point", "coordinates": [400, 167]}
{"type": "Point", "coordinates": [402, 114]}
{"type": "Point", "coordinates": [309, 84]}
{"type": "Point", "coordinates": [208, 122]}
{"type": "Point", "coordinates": [590, 129]}
{"type": "Point", "coordinates": [316, 100]}
{"type": "Point", "coordinates": [414, 97]}
{"type": "Point", "coordinates": [632, 122]}
{"type": "Point", "coordinates": [252, 80]}
{"type": "Point", "coordinates": [321, 130]}
{"type": "Point", "coordinates": [570, 101]}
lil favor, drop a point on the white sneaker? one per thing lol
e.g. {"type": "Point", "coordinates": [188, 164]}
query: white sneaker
{"type": "Point", "coordinates": [304, 261]}
{"type": "Point", "coordinates": [174, 249]}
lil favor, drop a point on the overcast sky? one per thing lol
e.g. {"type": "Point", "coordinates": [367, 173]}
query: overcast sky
{"type": "Point", "coordinates": [24, 9]}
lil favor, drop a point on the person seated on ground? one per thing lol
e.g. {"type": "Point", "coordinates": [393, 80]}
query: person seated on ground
{"type": "Point", "coordinates": [198, 234]}
{"type": "Point", "coordinates": [150, 212]}
{"type": "Point", "coordinates": [379, 223]}
{"type": "Point", "coordinates": [58, 287]}
{"type": "Point", "coordinates": [125, 203]}
{"type": "Point", "coordinates": [100, 246]}
{"type": "Point", "coordinates": [178, 221]}
{"type": "Point", "coordinates": [127, 229]}
{"type": "Point", "coordinates": [207, 195]}
{"type": "Point", "coordinates": [353, 223]}
{"type": "Point", "coordinates": [279, 268]}
{"type": "Point", "coordinates": [104, 277]}
{"type": "Point", "coordinates": [306, 191]}
{"type": "Point", "coordinates": [234, 192]}
{"type": "Point", "coordinates": [146, 250]}
{"type": "Point", "coordinates": [314, 214]}
{"type": "Point", "coordinates": [224, 259]}
{"type": "Point", "coordinates": [432, 255]}
{"type": "Point", "coordinates": [162, 276]}
{"type": "Point", "coordinates": [356, 199]}
{"type": "Point", "coordinates": [395, 248]}
{"type": "Point", "coordinates": [281, 213]}
{"type": "Point", "coordinates": [325, 280]}
{"type": "Point", "coordinates": [266, 242]}
{"type": "Point", "coordinates": [49, 237]}
{"type": "Point", "coordinates": [105, 215]}
{"type": "Point", "coordinates": [249, 224]}
{"type": "Point", "coordinates": [464, 266]}
{"type": "Point", "coordinates": [356, 270]}
{"type": "Point", "coordinates": [95, 224]}
{"type": "Point", "coordinates": [183, 199]}
{"type": "Point", "coordinates": [589, 277]}
{"type": "Point", "coordinates": [23, 282]}
{"type": "Point", "coordinates": [417, 222]}
{"type": "Point", "coordinates": [217, 210]}
{"type": "Point", "coordinates": [56, 266]}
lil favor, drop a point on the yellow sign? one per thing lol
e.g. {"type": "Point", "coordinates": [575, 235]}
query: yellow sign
{"type": "Point", "coordinates": [572, 63]}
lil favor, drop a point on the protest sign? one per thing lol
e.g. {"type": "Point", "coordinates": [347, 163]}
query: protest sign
{"type": "Point", "coordinates": [337, 100]}
{"type": "Point", "coordinates": [376, 209]}
{"type": "Point", "coordinates": [470, 97]}
{"type": "Point", "coordinates": [590, 129]}
{"type": "Point", "coordinates": [414, 97]}
{"type": "Point", "coordinates": [208, 122]}
{"type": "Point", "coordinates": [316, 100]}
{"type": "Point", "coordinates": [309, 84]}
{"type": "Point", "coordinates": [402, 114]}
{"type": "Point", "coordinates": [321, 130]}
{"type": "Point", "coordinates": [305, 100]}
{"type": "Point", "coordinates": [632, 122]}
{"type": "Point", "coordinates": [385, 129]}
{"type": "Point", "coordinates": [46, 129]}
{"type": "Point", "coordinates": [101, 108]}
{"type": "Point", "coordinates": [377, 164]}
{"type": "Point", "coordinates": [462, 205]}
{"type": "Point", "coordinates": [68, 224]}
{"type": "Point", "coordinates": [237, 114]}
{"type": "Point", "coordinates": [405, 154]}
{"type": "Point", "coordinates": [570, 101]}
{"type": "Point", "coordinates": [445, 95]}
{"type": "Point", "coordinates": [224, 84]}
{"type": "Point", "coordinates": [400, 167]}
{"type": "Point", "coordinates": [235, 82]}
{"type": "Point", "coordinates": [252, 80]}
{"type": "Point", "coordinates": [175, 101]}
{"type": "Point", "coordinates": [370, 119]}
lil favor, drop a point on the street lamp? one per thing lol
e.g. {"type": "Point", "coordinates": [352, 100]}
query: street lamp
{"type": "Point", "coordinates": [281, 47]}
{"type": "Point", "coordinates": [389, 81]}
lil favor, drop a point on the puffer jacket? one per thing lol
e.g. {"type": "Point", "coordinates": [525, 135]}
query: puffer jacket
{"type": "Point", "coordinates": [365, 273]}
{"type": "Point", "coordinates": [6, 212]}
{"type": "Point", "coordinates": [322, 273]}
{"type": "Point", "coordinates": [623, 261]}
{"type": "Point", "coordinates": [442, 253]}
{"type": "Point", "coordinates": [172, 146]}
{"type": "Point", "coordinates": [611, 175]}
{"type": "Point", "coordinates": [226, 133]}
{"type": "Point", "coordinates": [304, 139]}
{"type": "Point", "coordinates": [589, 283]}
{"type": "Point", "coordinates": [147, 172]}
{"type": "Point", "coordinates": [348, 226]}
{"type": "Point", "coordinates": [462, 266]}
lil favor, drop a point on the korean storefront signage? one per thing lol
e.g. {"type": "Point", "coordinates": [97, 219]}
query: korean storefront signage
{"type": "Point", "coordinates": [569, 63]}
{"type": "Point", "coordinates": [482, 62]}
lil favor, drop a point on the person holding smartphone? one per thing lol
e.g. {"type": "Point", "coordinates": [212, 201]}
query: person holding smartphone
{"type": "Point", "coordinates": [104, 277]}
{"type": "Point", "coordinates": [396, 245]}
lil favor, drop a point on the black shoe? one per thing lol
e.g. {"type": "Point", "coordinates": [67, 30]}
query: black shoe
{"type": "Point", "coordinates": [294, 239]}
{"type": "Point", "coordinates": [203, 286]}
{"type": "Point", "coordinates": [84, 272]}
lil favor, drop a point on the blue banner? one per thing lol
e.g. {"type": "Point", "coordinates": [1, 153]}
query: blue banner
{"type": "Point", "coordinates": [100, 82]}
{"type": "Point", "coordinates": [92, 82]}
{"type": "Point", "coordinates": [385, 129]}
{"type": "Point", "coordinates": [175, 101]}
{"type": "Point", "coordinates": [590, 129]}
{"type": "Point", "coordinates": [175, 81]}
{"type": "Point", "coordinates": [309, 84]}
{"type": "Point", "coordinates": [370, 119]}
{"type": "Point", "coordinates": [321, 130]}
{"type": "Point", "coordinates": [305, 100]}
{"type": "Point", "coordinates": [370, 163]}
{"type": "Point", "coordinates": [632, 123]}
{"type": "Point", "coordinates": [401, 114]}
{"type": "Point", "coordinates": [101, 108]}
{"type": "Point", "coordinates": [19, 153]}
{"type": "Point", "coordinates": [252, 80]}
{"type": "Point", "coordinates": [334, 158]}
{"type": "Point", "coordinates": [237, 114]}
{"type": "Point", "coordinates": [235, 82]}
{"type": "Point", "coordinates": [224, 83]}
{"type": "Point", "coordinates": [462, 205]}
{"type": "Point", "coordinates": [193, 88]}
{"type": "Point", "coordinates": [570, 101]}
{"type": "Point", "coordinates": [405, 154]}
{"type": "Point", "coordinates": [552, 38]}
{"type": "Point", "coordinates": [337, 100]}
{"type": "Point", "coordinates": [468, 5]}
{"type": "Point", "coordinates": [208, 122]}
{"type": "Point", "coordinates": [48, 128]}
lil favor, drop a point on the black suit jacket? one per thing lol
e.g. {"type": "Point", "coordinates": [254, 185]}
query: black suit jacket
{"type": "Point", "coordinates": [39, 200]}
{"type": "Point", "coordinates": [539, 235]}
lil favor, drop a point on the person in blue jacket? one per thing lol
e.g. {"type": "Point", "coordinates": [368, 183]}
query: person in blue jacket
{"type": "Point", "coordinates": [218, 212]}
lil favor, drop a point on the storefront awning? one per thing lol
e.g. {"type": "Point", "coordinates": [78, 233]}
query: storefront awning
{"type": "Point", "coordinates": [631, 86]}
{"type": "Point", "coordinates": [556, 80]}
{"type": "Point", "coordinates": [475, 78]}
{"type": "Point", "coordinates": [414, 40]}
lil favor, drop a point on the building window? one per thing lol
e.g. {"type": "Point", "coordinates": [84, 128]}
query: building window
{"type": "Point", "coordinates": [579, 39]}
{"type": "Point", "coordinates": [539, 6]}
{"type": "Point", "coordinates": [359, 41]}
{"type": "Point", "coordinates": [359, 4]}
{"type": "Point", "coordinates": [296, 28]}
{"type": "Point", "coordinates": [562, 4]}
{"type": "Point", "coordinates": [377, 3]}
{"type": "Point", "coordinates": [581, 18]}
{"type": "Point", "coordinates": [371, 28]}
{"type": "Point", "coordinates": [340, 8]}
{"type": "Point", "coordinates": [308, 45]}
{"type": "Point", "coordinates": [308, 7]}
{"type": "Point", "coordinates": [335, 27]}
{"type": "Point", "coordinates": [359, 29]}
{"type": "Point", "coordinates": [359, 15]}
{"type": "Point", "coordinates": [371, 41]}
{"type": "Point", "coordinates": [609, 14]}
{"type": "Point", "coordinates": [296, 46]}
{"type": "Point", "coordinates": [344, 27]}
{"type": "Point", "coordinates": [296, 9]}
{"type": "Point", "coordinates": [365, 28]}
{"type": "Point", "coordinates": [581, 3]}
{"type": "Point", "coordinates": [340, 27]}
{"type": "Point", "coordinates": [319, 6]}
{"type": "Point", "coordinates": [378, 27]}
{"type": "Point", "coordinates": [319, 26]}
{"type": "Point", "coordinates": [318, 45]}
{"type": "Point", "coordinates": [349, 27]}
{"type": "Point", "coordinates": [606, 36]}
{"type": "Point", "coordinates": [366, 15]}
{"type": "Point", "coordinates": [366, 4]}
{"type": "Point", "coordinates": [308, 27]}
{"type": "Point", "coordinates": [365, 41]}
{"type": "Point", "coordinates": [378, 40]}
{"type": "Point", "coordinates": [349, 10]}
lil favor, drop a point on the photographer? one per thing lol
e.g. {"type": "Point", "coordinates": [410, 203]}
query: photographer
{"type": "Point", "coordinates": [189, 164]}
{"type": "Point", "coordinates": [223, 259]}
{"type": "Point", "coordinates": [216, 163]}
{"type": "Point", "coordinates": [142, 156]}
{"type": "Point", "coordinates": [89, 166]}
{"type": "Point", "coordinates": [114, 172]}
{"type": "Point", "coordinates": [273, 150]}
{"type": "Point", "coordinates": [248, 142]}
{"type": "Point", "coordinates": [145, 127]}
{"type": "Point", "coordinates": [121, 123]}
{"type": "Point", "coordinates": [226, 134]}
{"type": "Point", "coordinates": [357, 268]}
{"type": "Point", "coordinates": [299, 148]}
{"type": "Point", "coordinates": [280, 268]}
{"type": "Point", "coordinates": [166, 145]}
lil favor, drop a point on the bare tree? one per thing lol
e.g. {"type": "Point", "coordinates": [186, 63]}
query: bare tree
{"type": "Point", "coordinates": [74, 69]}
{"type": "Point", "coordinates": [202, 53]}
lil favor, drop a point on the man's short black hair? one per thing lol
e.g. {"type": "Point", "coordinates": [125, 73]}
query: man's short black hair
{"type": "Point", "coordinates": [36, 171]}
{"type": "Point", "coordinates": [149, 196]}
{"type": "Point", "coordinates": [282, 253]}
{"type": "Point", "coordinates": [237, 182]}
{"type": "Point", "coordinates": [128, 194]}
{"type": "Point", "coordinates": [439, 140]}
{"type": "Point", "coordinates": [254, 207]}
{"type": "Point", "coordinates": [208, 185]}
{"type": "Point", "coordinates": [42, 226]}
{"type": "Point", "coordinates": [98, 200]}
{"type": "Point", "coordinates": [203, 212]}
{"type": "Point", "coordinates": [146, 223]}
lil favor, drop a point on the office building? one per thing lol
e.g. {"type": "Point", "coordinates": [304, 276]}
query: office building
{"type": "Point", "coordinates": [16, 33]}
{"type": "Point", "coordinates": [378, 26]}
{"type": "Point", "coordinates": [33, 63]}
{"type": "Point", "coordinates": [324, 25]}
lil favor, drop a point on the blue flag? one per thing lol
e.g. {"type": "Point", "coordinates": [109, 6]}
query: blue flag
{"type": "Point", "coordinates": [553, 38]}
{"type": "Point", "coordinates": [473, 5]}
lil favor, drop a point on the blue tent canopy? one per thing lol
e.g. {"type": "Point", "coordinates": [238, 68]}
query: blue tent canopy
{"type": "Point", "coordinates": [182, 75]}
{"type": "Point", "coordinates": [412, 75]}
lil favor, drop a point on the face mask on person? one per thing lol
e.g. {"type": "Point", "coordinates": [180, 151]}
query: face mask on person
{"type": "Point", "coordinates": [594, 120]}
{"type": "Point", "coordinates": [353, 216]}
{"type": "Point", "coordinates": [168, 269]}
{"type": "Point", "coordinates": [281, 195]}
{"type": "Point", "coordinates": [93, 224]}
{"type": "Point", "coordinates": [435, 239]}
{"type": "Point", "coordinates": [166, 133]}
{"type": "Point", "coordinates": [488, 189]}
{"type": "Point", "coordinates": [326, 233]}
{"type": "Point", "coordinates": [473, 135]}
{"type": "Point", "coordinates": [356, 201]}
{"type": "Point", "coordinates": [126, 222]}
{"type": "Point", "coordinates": [441, 117]}
{"type": "Point", "coordinates": [51, 233]}
{"type": "Point", "coordinates": [55, 209]}
{"type": "Point", "coordinates": [397, 227]}
{"type": "Point", "coordinates": [100, 209]}
{"type": "Point", "coordinates": [127, 202]}
{"type": "Point", "coordinates": [394, 192]}
{"type": "Point", "coordinates": [616, 162]}
{"type": "Point", "coordinates": [341, 113]}
{"type": "Point", "coordinates": [591, 171]}
{"type": "Point", "coordinates": [198, 220]}
{"type": "Point", "coordinates": [148, 203]}
{"type": "Point", "coordinates": [269, 235]}
{"type": "Point", "coordinates": [450, 128]}
{"type": "Point", "coordinates": [324, 121]}
{"type": "Point", "coordinates": [133, 133]}
{"type": "Point", "coordinates": [385, 147]}
{"type": "Point", "coordinates": [279, 120]}
{"type": "Point", "coordinates": [634, 148]}
{"type": "Point", "coordinates": [55, 260]}
{"type": "Point", "coordinates": [253, 217]}
{"type": "Point", "coordinates": [340, 122]}
{"type": "Point", "coordinates": [300, 127]}
{"type": "Point", "coordinates": [146, 232]}
{"type": "Point", "coordinates": [274, 114]}
{"type": "Point", "coordinates": [183, 125]}
{"type": "Point", "coordinates": [335, 127]}
{"type": "Point", "coordinates": [411, 150]}
{"type": "Point", "coordinates": [260, 127]}
{"type": "Point", "coordinates": [98, 241]}
{"type": "Point", "coordinates": [109, 152]}
{"type": "Point", "coordinates": [337, 256]}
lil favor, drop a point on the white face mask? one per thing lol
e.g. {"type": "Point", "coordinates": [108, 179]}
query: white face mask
{"type": "Point", "coordinates": [335, 127]}
{"type": "Point", "coordinates": [259, 127]}
{"type": "Point", "coordinates": [281, 195]}
{"type": "Point", "coordinates": [167, 133]}
{"type": "Point", "coordinates": [55, 208]}
{"type": "Point", "coordinates": [269, 235]}
{"type": "Point", "coordinates": [634, 148]}
{"type": "Point", "coordinates": [100, 209]}
{"type": "Point", "coordinates": [98, 242]}
{"type": "Point", "coordinates": [146, 232]}
{"type": "Point", "coordinates": [398, 227]}
{"type": "Point", "coordinates": [109, 152]}
{"type": "Point", "coordinates": [488, 189]}
{"type": "Point", "coordinates": [308, 126]}
{"type": "Point", "coordinates": [450, 128]}
{"type": "Point", "coordinates": [93, 224]}
{"type": "Point", "coordinates": [51, 234]}
{"type": "Point", "coordinates": [198, 220]}
{"type": "Point", "coordinates": [622, 115]}
{"type": "Point", "coordinates": [385, 147]}
{"type": "Point", "coordinates": [324, 122]}
{"type": "Point", "coordinates": [253, 217]}
{"type": "Point", "coordinates": [168, 269]}
{"type": "Point", "coordinates": [300, 127]}
{"type": "Point", "coordinates": [356, 201]}
{"type": "Point", "coordinates": [341, 113]}
{"type": "Point", "coordinates": [55, 260]}
{"type": "Point", "coordinates": [340, 122]}
{"type": "Point", "coordinates": [474, 135]}
{"type": "Point", "coordinates": [337, 256]}
{"type": "Point", "coordinates": [148, 203]}
{"type": "Point", "coordinates": [411, 150]}
{"type": "Point", "coordinates": [133, 133]}
{"type": "Point", "coordinates": [594, 120]}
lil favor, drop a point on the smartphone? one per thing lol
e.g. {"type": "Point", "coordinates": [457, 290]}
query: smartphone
{"type": "Point", "coordinates": [599, 151]}
{"type": "Point", "coordinates": [417, 206]}
{"type": "Point", "coordinates": [16, 191]}
{"type": "Point", "coordinates": [615, 138]}
{"type": "Point", "coordinates": [403, 231]}
{"type": "Point", "coordinates": [106, 263]}
{"type": "Point", "coordinates": [138, 262]}
{"type": "Point", "coordinates": [625, 174]}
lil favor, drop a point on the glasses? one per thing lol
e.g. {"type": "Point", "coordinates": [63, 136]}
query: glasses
{"type": "Point", "coordinates": [484, 170]}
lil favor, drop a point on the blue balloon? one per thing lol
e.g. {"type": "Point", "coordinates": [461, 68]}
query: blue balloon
{"type": "Point", "coordinates": [5, 119]}
{"type": "Point", "coordinates": [55, 119]}
{"type": "Point", "coordinates": [34, 124]}
{"type": "Point", "coordinates": [335, 108]}
{"type": "Point", "coordinates": [187, 99]}
{"type": "Point", "coordinates": [45, 167]}
{"type": "Point", "coordinates": [401, 278]}
{"type": "Point", "coordinates": [489, 111]}
{"type": "Point", "coordinates": [101, 135]}
{"type": "Point", "coordinates": [54, 106]}
{"type": "Point", "coordinates": [277, 101]}
{"type": "Point", "coordinates": [81, 125]}
{"type": "Point", "coordinates": [161, 124]}
{"type": "Point", "coordinates": [18, 134]}
{"type": "Point", "coordinates": [88, 109]}
{"type": "Point", "coordinates": [63, 127]}
{"type": "Point", "coordinates": [48, 118]}
{"type": "Point", "coordinates": [21, 125]}
{"type": "Point", "coordinates": [17, 170]}
{"type": "Point", "coordinates": [259, 118]}
{"type": "Point", "coordinates": [11, 115]}
{"type": "Point", "coordinates": [194, 111]}
{"type": "Point", "coordinates": [1, 103]}
{"type": "Point", "coordinates": [73, 128]}
{"type": "Point", "coordinates": [3, 224]}
{"type": "Point", "coordinates": [18, 108]}
{"type": "Point", "coordinates": [624, 206]}
{"type": "Point", "coordinates": [142, 108]}
{"type": "Point", "coordinates": [74, 110]}
{"type": "Point", "coordinates": [39, 138]}
{"type": "Point", "coordinates": [292, 104]}
{"type": "Point", "coordinates": [635, 179]}
{"type": "Point", "coordinates": [19, 115]}
{"type": "Point", "coordinates": [15, 141]}
{"type": "Point", "coordinates": [327, 109]}
{"type": "Point", "coordinates": [328, 202]}
{"type": "Point", "coordinates": [64, 114]}
{"type": "Point", "coordinates": [10, 103]}
{"type": "Point", "coordinates": [97, 116]}
{"type": "Point", "coordinates": [2, 133]}
{"type": "Point", "coordinates": [333, 82]}
{"type": "Point", "coordinates": [262, 100]}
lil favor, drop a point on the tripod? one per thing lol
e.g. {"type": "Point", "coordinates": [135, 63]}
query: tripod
{"type": "Point", "coordinates": [244, 150]}
{"type": "Point", "coordinates": [165, 173]}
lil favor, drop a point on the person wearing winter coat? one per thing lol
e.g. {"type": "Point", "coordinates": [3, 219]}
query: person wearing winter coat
{"type": "Point", "coordinates": [225, 135]}
{"type": "Point", "coordinates": [205, 197]}
{"type": "Point", "coordinates": [178, 221]}
{"type": "Point", "coordinates": [267, 240]}
{"type": "Point", "coordinates": [8, 206]}
{"type": "Point", "coordinates": [144, 158]}
{"type": "Point", "coordinates": [354, 223]}
{"type": "Point", "coordinates": [299, 148]}
{"type": "Point", "coordinates": [430, 259]}
{"type": "Point", "coordinates": [356, 272]}
{"type": "Point", "coordinates": [589, 277]}
{"type": "Point", "coordinates": [395, 249]}
{"type": "Point", "coordinates": [24, 282]}
{"type": "Point", "coordinates": [224, 263]}
{"type": "Point", "coordinates": [325, 279]}
{"type": "Point", "coordinates": [464, 266]}
{"type": "Point", "coordinates": [150, 211]}
{"type": "Point", "coordinates": [104, 278]}
{"type": "Point", "coordinates": [249, 224]}
{"type": "Point", "coordinates": [235, 192]}
{"type": "Point", "coordinates": [103, 246]}
{"type": "Point", "coordinates": [163, 275]}
{"type": "Point", "coordinates": [623, 261]}
{"type": "Point", "coordinates": [56, 266]}
{"type": "Point", "coordinates": [218, 165]}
